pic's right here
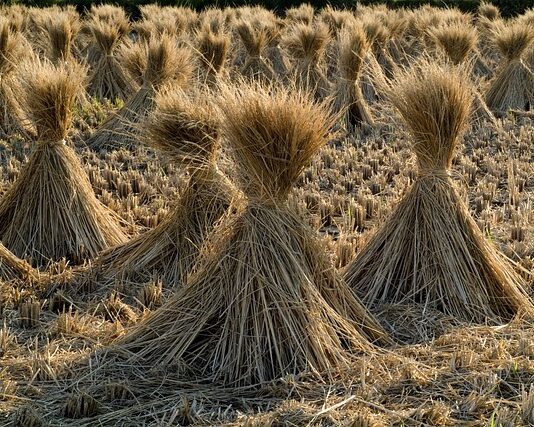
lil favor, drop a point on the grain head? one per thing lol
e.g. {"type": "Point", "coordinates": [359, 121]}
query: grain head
{"type": "Point", "coordinates": [275, 133]}
{"type": "Point", "coordinates": [48, 94]}
{"type": "Point", "coordinates": [166, 61]}
{"type": "Point", "coordinates": [434, 101]}
{"type": "Point", "coordinates": [512, 38]}
{"type": "Point", "coordinates": [307, 42]}
{"type": "Point", "coordinates": [185, 129]}
{"type": "Point", "coordinates": [457, 40]}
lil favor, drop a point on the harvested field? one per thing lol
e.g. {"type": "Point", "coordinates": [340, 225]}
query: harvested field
{"type": "Point", "coordinates": [323, 218]}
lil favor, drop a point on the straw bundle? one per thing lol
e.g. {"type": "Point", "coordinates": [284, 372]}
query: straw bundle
{"type": "Point", "coordinates": [132, 57]}
{"type": "Point", "coordinates": [165, 64]}
{"type": "Point", "coordinates": [335, 19]}
{"type": "Point", "coordinates": [51, 212]}
{"type": "Point", "coordinates": [61, 30]}
{"type": "Point", "coordinates": [488, 11]}
{"type": "Point", "coordinates": [513, 85]}
{"type": "Point", "coordinates": [108, 13]}
{"type": "Point", "coordinates": [373, 73]}
{"type": "Point", "coordinates": [11, 53]}
{"type": "Point", "coordinates": [187, 131]}
{"type": "Point", "coordinates": [256, 308]}
{"type": "Point", "coordinates": [306, 45]}
{"type": "Point", "coordinates": [255, 39]}
{"type": "Point", "coordinates": [274, 52]}
{"type": "Point", "coordinates": [378, 35]}
{"type": "Point", "coordinates": [348, 97]}
{"type": "Point", "coordinates": [396, 22]}
{"type": "Point", "coordinates": [108, 79]}
{"type": "Point", "coordinates": [215, 19]}
{"type": "Point", "coordinates": [213, 50]}
{"type": "Point", "coordinates": [303, 14]}
{"type": "Point", "coordinates": [159, 20]}
{"type": "Point", "coordinates": [459, 42]}
{"type": "Point", "coordinates": [430, 250]}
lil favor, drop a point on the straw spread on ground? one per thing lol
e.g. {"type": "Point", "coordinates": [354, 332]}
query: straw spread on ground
{"type": "Point", "coordinates": [262, 300]}
{"type": "Point", "coordinates": [14, 268]}
{"type": "Point", "coordinates": [513, 85]}
{"type": "Point", "coordinates": [11, 53]}
{"type": "Point", "coordinates": [107, 78]}
{"type": "Point", "coordinates": [255, 40]}
{"type": "Point", "coordinates": [165, 64]}
{"type": "Point", "coordinates": [187, 131]}
{"type": "Point", "coordinates": [306, 46]}
{"type": "Point", "coordinates": [459, 42]}
{"type": "Point", "coordinates": [430, 250]}
{"type": "Point", "coordinates": [51, 212]}
{"type": "Point", "coordinates": [348, 96]}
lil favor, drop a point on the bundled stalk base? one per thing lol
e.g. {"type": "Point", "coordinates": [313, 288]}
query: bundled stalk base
{"type": "Point", "coordinates": [169, 250]}
{"type": "Point", "coordinates": [430, 251]}
{"type": "Point", "coordinates": [51, 212]}
{"type": "Point", "coordinates": [120, 129]}
{"type": "Point", "coordinates": [263, 301]}
{"type": "Point", "coordinates": [252, 312]}
{"type": "Point", "coordinates": [513, 86]}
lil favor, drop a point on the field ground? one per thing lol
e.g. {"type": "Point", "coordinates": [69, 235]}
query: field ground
{"type": "Point", "coordinates": [440, 373]}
